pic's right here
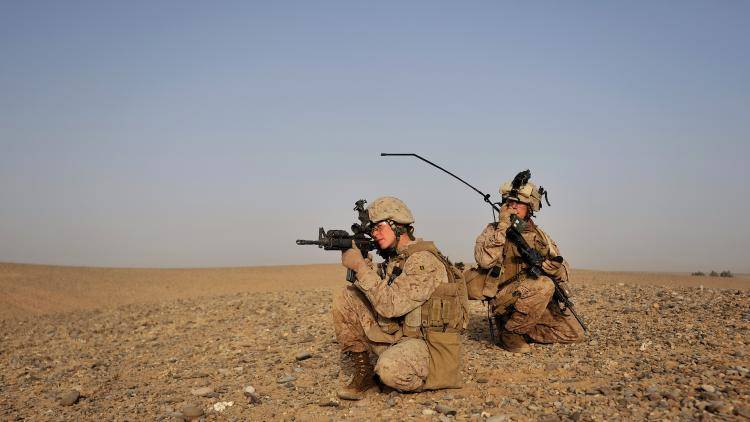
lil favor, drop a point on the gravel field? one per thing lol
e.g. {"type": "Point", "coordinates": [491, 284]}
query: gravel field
{"type": "Point", "coordinates": [656, 350]}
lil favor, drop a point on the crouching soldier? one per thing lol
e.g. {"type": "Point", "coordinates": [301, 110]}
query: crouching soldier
{"type": "Point", "coordinates": [409, 310]}
{"type": "Point", "coordinates": [522, 305]}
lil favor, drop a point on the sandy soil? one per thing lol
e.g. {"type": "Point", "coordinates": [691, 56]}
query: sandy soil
{"type": "Point", "coordinates": [41, 289]}
{"type": "Point", "coordinates": [144, 344]}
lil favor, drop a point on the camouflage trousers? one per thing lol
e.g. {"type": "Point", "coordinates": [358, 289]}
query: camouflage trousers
{"type": "Point", "coordinates": [533, 315]}
{"type": "Point", "coordinates": [403, 362]}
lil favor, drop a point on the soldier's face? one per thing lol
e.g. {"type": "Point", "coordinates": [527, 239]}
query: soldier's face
{"type": "Point", "coordinates": [383, 235]}
{"type": "Point", "coordinates": [522, 210]}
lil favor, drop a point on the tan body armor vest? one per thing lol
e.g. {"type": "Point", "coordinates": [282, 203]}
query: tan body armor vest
{"type": "Point", "coordinates": [513, 263]}
{"type": "Point", "coordinates": [447, 308]}
{"type": "Point", "coordinates": [482, 284]}
{"type": "Point", "coordinates": [438, 321]}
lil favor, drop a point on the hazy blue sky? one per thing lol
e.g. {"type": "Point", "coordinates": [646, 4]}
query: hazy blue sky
{"type": "Point", "coordinates": [217, 133]}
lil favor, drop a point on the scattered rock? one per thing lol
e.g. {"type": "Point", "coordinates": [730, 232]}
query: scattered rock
{"type": "Point", "coordinates": [329, 403]}
{"type": "Point", "coordinates": [70, 398]}
{"type": "Point", "coordinates": [303, 355]}
{"type": "Point", "coordinates": [286, 378]}
{"type": "Point", "coordinates": [743, 411]}
{"type": "Point", "coordinates": [222, 405]}
{"type": "Point", "coordinates": [446, 410]}
{"type": "Point", "coordinates": [708, 388]}
{"type": "Point", "coordinates": [679, 377]}
{"type": "Point", "coordinates": [202, 391]}
{"type": "Point", "coordinates": [251, 395]}
{"type": "Point", "coordinates": [719, 407]}
{"type": "Point", "coordinates": [192, 411]}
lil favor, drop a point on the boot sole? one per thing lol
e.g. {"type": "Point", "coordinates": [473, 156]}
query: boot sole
{"type": "Point", "coordinates": [354, 397]}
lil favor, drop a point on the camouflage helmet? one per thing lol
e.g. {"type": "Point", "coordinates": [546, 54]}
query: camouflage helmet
{"type": "Point", "coordinates": [523, 191]}
{"type": "Point", "coordinates": [389, 208]}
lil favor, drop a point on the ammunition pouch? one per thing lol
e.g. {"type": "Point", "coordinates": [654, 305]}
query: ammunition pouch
{"type": "Point", "coordinates": [444, 310]}
{"type": "Point", "coordinates": [445, 358]}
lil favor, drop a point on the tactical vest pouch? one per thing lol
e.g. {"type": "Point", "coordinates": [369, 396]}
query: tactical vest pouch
{"type": "Point", "coordinates": [445, 355]}
{"type": "Point", "coordinates": [475, 280]}
{"type": "Point", "coordinates": [482, 284]}
{"type": "Point", "coordinates": [445, 310]}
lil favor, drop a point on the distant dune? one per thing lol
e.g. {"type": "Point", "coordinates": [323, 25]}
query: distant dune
{"type": "Point", "coordinates": [41, 289]}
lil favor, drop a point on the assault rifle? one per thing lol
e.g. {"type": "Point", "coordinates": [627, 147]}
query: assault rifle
{"type": "Point", "coordinates": [341, 240]}
{"type": "Point", "coordinates": [532, 258]}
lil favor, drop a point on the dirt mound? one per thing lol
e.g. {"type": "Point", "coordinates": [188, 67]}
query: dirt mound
{"type": "Point", "coordinates": [662, 352]}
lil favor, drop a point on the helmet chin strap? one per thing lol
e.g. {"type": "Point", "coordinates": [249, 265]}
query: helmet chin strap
{"type": "Point", "coordinates": [396, 231]}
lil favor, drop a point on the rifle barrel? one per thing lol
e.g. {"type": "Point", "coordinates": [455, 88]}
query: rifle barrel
{"type": "Point", "coordinates": [307, 242]}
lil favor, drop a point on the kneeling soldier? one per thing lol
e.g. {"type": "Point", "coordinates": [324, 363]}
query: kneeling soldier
{"type": "Point", "coordinates": [522, 305]}
{"type": "Point", "coordinates": [409, 310]}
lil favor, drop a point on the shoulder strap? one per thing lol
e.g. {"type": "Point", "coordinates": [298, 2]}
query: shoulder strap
{"type": "Point", "coordinates": [427, 246]}
{"type": "Point", "coordinates": [419, 246]}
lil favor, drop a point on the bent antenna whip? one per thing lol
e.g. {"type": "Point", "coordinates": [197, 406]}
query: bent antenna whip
{"type": "Point", "coordinates": [486, 196]}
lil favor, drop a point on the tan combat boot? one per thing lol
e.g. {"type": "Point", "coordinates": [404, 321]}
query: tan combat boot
{"type": "Point", "coordinates": [363, 378]}
{"type": "Point", "coordinates": [511, 341]}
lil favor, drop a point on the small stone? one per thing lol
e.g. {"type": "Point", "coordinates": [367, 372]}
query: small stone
{"type": "Point", "coordinates": [705, 395]}
{"type": "Point", "coordinates": [482, 380]}
{"type": "Point", "coordinates": [303, 355]}
{"type": "Point", "coordinates": [222, 405]}
{"type": "Point", "coordinates": [252, 397]}
{"type": "Point", "coordinates": [654, 396]}
{"type": "Point", "coordinates": [428, 412]}
{"type": "Point", "coordinates": [202, 391]}
{"type": "Point", "coordinates": [743, 411]}
{"type": "Point", "coordinates": [391, 402]}
{"type": "Point", "coordinates": [286, 378]}
{"type": "Point", "coordinates": [192, 411]}
{"type": "Point", "coordinates": [708, 388]}
{"type": "Point", "coordinates": [329, 403]}
{"type": "Point", "coordinates": [499, 418]}
{"type": "Point", "coordinates": [70, 398]}
{"type": "Point", "coordinates": [671, 395]}
{"type": "Point", "coordinates": [445, 410]}
{"type": "Point", "coordinates": [719, 407]}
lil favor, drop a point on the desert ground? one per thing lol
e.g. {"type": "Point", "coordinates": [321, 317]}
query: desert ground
{"type": "Point", "coordinates": [256, 343]}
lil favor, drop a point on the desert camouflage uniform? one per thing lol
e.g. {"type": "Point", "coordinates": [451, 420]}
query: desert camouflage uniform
{"type": "Point", "coordinates": [532, 313]}
{"type": "Point", "coordinates": [367, 316]}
